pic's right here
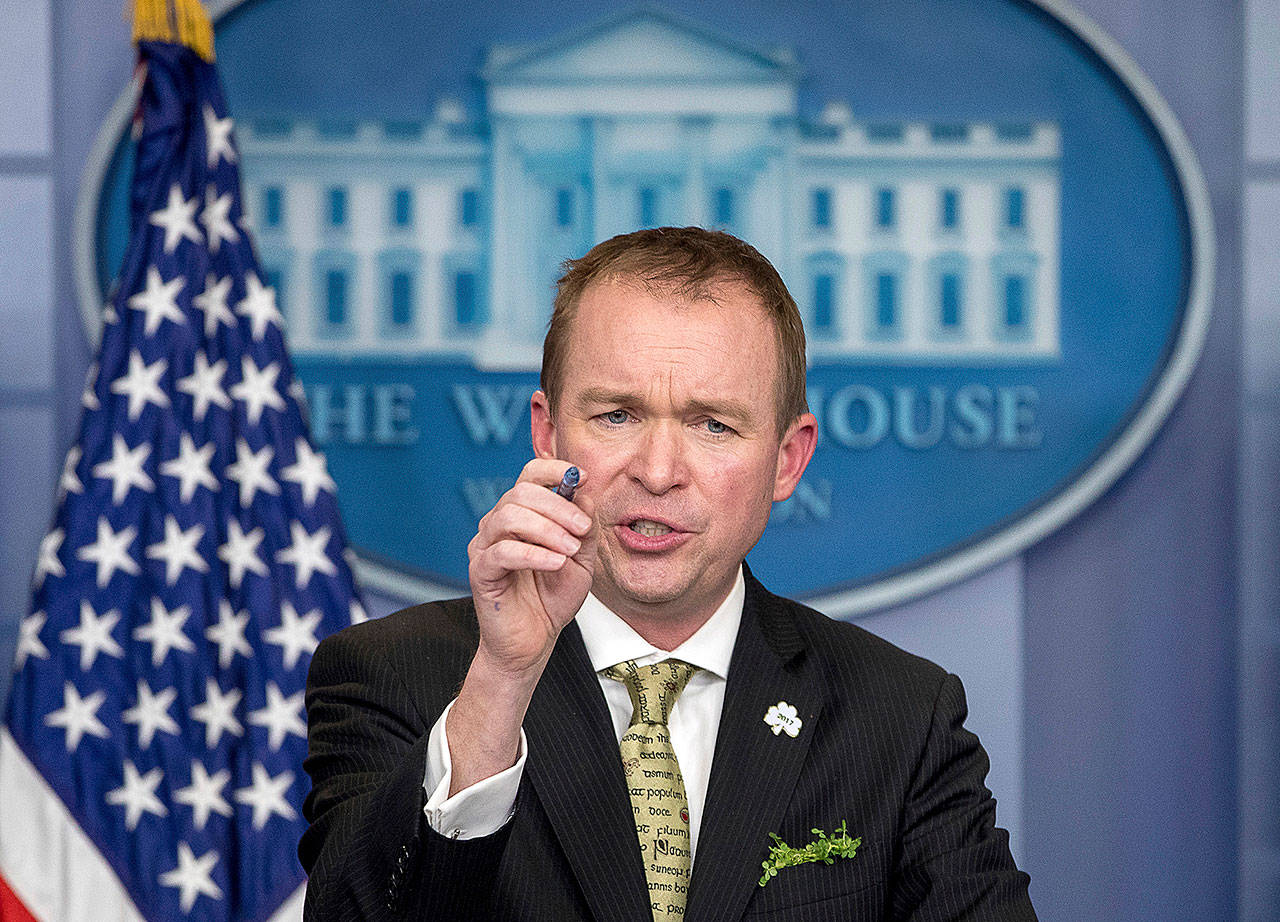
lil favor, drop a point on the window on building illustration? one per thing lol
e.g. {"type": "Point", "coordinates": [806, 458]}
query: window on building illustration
{"type": "Point", "coordinates": [821, 207]}
{"type": "Point", "coordinates": [885, 208]}
{"type": "Point", "coordinates": [949, 209]}
{"type": "Point", "coordinates": [884, 132]}
{"type": "Point", "coordinates": [723, 207]}
{"type": "Point", "coordinates": [401, 299]}
{"type": "Point", "coordinates": [1015, 304]}
{"type": "Point", "coordinates": [402, 207]}
{"type": "Point", "coordinates": [648, 197]}
{"type": "Point", "coordinates": [564, 206]}
{"type": "Point", "coordinates": [469, 207]}
{"type": "Point", "coordinates": [949, 133]}
{"type": "Point", "coordinates": [335, 297]}
{"type": "Point", "coordinates": [466, 308]}
{"type": "Point", "coordinates": [337, 206]}
{"type": "Point", "coordinates": [1015, 208]}
{"type": "Point", "coordinates": [949, 298]}
{"type": "Point", "coordinates": [824, 290]}
{"type": "Point", "coordinates": [1015, 131]}
{"type": "Point", "coordinates": [886, 300]}
{"type": "Point", "coordinates": [272, 206]}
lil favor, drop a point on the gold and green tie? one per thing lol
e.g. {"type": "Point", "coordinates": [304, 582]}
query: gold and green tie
{"type": "Point", "coordinates": [655, 783]}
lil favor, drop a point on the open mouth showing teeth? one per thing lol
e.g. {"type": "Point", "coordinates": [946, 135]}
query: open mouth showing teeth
{"type": "Point", "coordinates": [649, 529]}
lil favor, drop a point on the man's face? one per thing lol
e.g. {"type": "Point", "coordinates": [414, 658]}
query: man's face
{"type": "Point", "coordinates": [669, 407]}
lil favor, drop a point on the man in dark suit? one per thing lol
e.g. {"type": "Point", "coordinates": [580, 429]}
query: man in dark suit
{"type": "Point", "coordinates": [621, 715]}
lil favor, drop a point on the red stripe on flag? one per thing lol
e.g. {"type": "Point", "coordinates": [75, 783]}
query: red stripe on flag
{"type": "Point", "coordinates": [11, 908]}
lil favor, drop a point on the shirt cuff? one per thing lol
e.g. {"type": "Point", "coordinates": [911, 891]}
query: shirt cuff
{"type": "Point", "coordinates": [474, 812]}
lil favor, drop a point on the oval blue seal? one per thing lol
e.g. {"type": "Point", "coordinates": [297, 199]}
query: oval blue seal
{"type": "Point", "coordinates": [995, 229]}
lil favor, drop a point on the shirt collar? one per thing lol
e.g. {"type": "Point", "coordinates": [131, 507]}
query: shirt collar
{"type": "Point", "coordinates": [610, 640]}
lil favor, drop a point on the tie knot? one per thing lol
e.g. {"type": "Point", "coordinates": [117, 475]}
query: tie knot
{"type": "Point", "coordinates": [653, 688]}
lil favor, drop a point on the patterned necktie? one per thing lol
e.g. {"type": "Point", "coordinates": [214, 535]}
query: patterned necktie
{"type": "Point", "coordinates": [655, 783]}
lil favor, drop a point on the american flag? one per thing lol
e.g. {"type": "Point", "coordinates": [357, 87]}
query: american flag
{"type": "Point", "coordinates": [150, 766]}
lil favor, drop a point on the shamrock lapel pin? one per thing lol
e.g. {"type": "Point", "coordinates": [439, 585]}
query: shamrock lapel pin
{"type": "Point", "coordinates": [782, 716]}
{"type": "Point", "coordinates": [825, 849]}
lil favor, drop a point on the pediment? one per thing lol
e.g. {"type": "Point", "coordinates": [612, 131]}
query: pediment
{"type": "Point", "coordinates": [646, 45]}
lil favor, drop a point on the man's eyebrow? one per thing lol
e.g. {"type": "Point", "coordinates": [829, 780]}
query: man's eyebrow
{"type": "Point", "coordinates": [720, 407]}
{"type": "Point", "coordinates": [603, 395]}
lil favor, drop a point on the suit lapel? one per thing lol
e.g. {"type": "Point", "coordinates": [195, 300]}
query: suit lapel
{"type": "Point", "coordinates": [575, 769]}
{"type": "Point", "coordinates": [754, 770]}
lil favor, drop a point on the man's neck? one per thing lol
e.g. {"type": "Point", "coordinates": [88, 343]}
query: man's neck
{"type": "Point", "coordinates": [665, 625]}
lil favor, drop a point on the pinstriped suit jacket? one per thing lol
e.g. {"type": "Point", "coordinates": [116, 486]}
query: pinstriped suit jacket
{"type": "Point", "coordinates": [882, 747]}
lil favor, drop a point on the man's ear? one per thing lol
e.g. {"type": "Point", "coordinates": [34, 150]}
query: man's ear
{"type": "Point", "coordinates": [794, 452]}
{"type": "Point", "coordinates": [541, 425]}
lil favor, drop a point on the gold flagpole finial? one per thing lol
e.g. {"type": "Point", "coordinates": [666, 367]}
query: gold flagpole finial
{"type": "Point", "coordinates": [183, 22]}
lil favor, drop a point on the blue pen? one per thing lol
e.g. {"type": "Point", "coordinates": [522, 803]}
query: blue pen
{"type": "Point", "coordinates": [568, 483]}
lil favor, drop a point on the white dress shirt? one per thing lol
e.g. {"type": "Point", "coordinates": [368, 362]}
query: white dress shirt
{"type": "Point", "coordinates": [485, 807]}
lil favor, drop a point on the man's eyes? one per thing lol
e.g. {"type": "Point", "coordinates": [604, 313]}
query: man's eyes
{"type": "Point", "coordinates": [622, 417]}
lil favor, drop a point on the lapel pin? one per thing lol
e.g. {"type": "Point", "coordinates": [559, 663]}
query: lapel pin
{"type": "Point", "coordinates": [782, 716]}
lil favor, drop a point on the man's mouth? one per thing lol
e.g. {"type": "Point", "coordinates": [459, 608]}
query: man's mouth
{"type": "Point", "coordinates": [649, 529]}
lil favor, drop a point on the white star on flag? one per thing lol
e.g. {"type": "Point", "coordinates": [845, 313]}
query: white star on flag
{"type": "Point", "coordinates": [111, 551]}
{"type": "Point", "coordinates": [159, 301]}
{"type": "Point", "coordinates": [89, 397]}
{"type": "Point", "coordinates": [257, 388]}
{"type": "Point", "coordinates": [259, 305]}
{"type": "Point", "coordinates": [124, 470]}
{"type": "Point", "coordinates": [358, 614]}
{"type": "Point", "coordinates": [164, 631]}
{"type": "Point", "coordinates": [29, 642]}
{"type": "Point", "coordinates": [218, 132]}
{"type": "Point", "coordinates": [250, 471]}
{"type": "Point", "coordinates": [69, 482]}
{"type": "Point", "coordinates": [192, 876]}
{"type": "Point", "coordinates": [178, 550]}
{"type": "Point", "coordinates": [204, 384]}
{"type": "Point", "coordinates": [213, 302]}
{"type": "Point", "coordinates": [240, 553]}
{"type": "Point", "coordinates": [204, 794]}
{"type": "Point", "coordinates": [306, 552]}
{"type": "Point", "coordinates": [281, 716]}
{"type": "Point", "coordinates": [142, 384]}
{"type": "Point", "coordinates": [93, 635]}
{"type": "Point", "coordinates": [308, 471]}
{"type": "Point", "coordinates": [178, 219]}
{"type": "Point", "coordinates": [295, 635]}
{"type": "Point", "coordinates": [217, 713]}
{"type": "Point", "coordinates": [228, 634]}
{"type": "Point", "coordinates": [138, 795]}
{"type": "Point", "coordinates": [217, 224]}
{"type": "Point", "coordinates": [266, 796]}
{"type": "Point", "coordinates": [151, 713]}
{"type": "Point", "coordinates": [191, 467]}
{"type": "Point", "coordinates": [47, 562]}
{"type": "Point", "coordinates": [78, 716]}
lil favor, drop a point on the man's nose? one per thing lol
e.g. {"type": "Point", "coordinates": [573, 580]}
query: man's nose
{"type": "Point", "coordinates": [658, 462]}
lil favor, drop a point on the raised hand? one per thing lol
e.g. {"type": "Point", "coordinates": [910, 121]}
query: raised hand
{"type": "Point", "coordinates": [531, 566]}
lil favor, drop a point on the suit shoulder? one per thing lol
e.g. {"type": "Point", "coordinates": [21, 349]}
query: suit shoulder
{"type": "Point", "coordinates": [843, 647]}
{"type": "Point", "coordinates": [443, 632]}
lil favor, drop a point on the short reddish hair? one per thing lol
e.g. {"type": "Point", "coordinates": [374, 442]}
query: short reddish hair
{"type": "Point", "coordinates": [691, 262]}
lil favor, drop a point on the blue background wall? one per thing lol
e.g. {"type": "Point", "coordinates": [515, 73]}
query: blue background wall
{"type": "Point", "coordinates": [1126, 670]}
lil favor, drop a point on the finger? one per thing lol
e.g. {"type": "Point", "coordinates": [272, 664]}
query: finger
{"type": "Point", "coordinates": [565, 513]}
{"type": "Point", "coordinates": [510, 556]}
{"type": "Point", "coordinates": [512, 520]}
{"type": "Point", "coordinates": [545, 471]}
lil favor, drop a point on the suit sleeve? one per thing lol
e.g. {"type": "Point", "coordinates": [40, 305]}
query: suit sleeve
{"type": "Point", "coordinates": [954, 862]}
{"type": "Point", "coordinates": [369, 853]}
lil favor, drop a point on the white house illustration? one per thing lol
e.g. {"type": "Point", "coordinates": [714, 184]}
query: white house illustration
{"type": "Point", "coordinates": [902, 242]}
